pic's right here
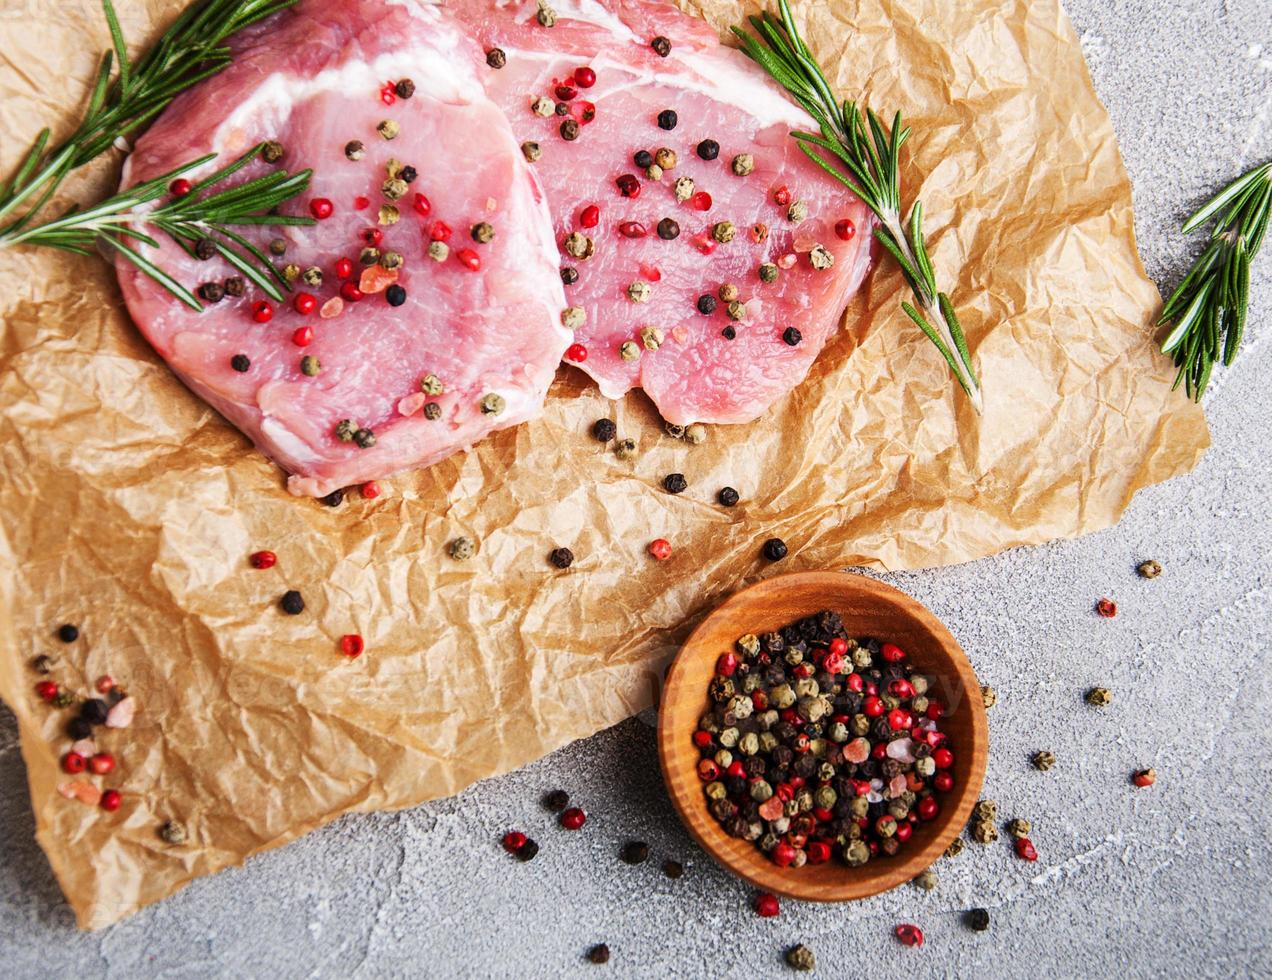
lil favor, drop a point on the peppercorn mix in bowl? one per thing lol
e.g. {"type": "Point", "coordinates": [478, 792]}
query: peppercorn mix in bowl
{"type": "Point", "coordinates": [822, 735]}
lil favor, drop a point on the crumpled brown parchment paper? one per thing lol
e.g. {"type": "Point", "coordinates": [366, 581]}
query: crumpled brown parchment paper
{"type": "Point", "coordinates": [130, 507]}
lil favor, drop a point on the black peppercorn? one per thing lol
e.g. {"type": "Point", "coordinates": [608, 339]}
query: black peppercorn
{"type": "Point", "coordinates": [727, 496]}
{"type": "Point", "coordinates": [395, 295]}
{"type": "Point", "coordinates": [496, 58]}
{"type": "Point", "coordinates": [569, 130]}
{"type": "Point", "coordinates": [668, 230]}
{"type": "Point", "coordinates": [364, 438]}
{"type": "Point", "coordinates": [634, 852]}
{"type": "Point", "coordinates": [94, 711]}
{"type": "Point", "coordinates": [561, 557]}
{"type": "Point", "coordinates": [673, 869]}
{"type": "Point", "coordinates": [774, 549]}
{"type": "Point", "coordinates": [557, 800]}
{"type": "Point", "coordinates": [792, 336]}
{"type": "Point", "coordinates": [78, 728]}
{"type": "Point", "coordinates": [561, 109]}
{"type": "Point", "coordinates": [706, 304]}
{"type": "Point", "coordinates": [240, 363]}
{"type": "Point", "coordinates": [667, 119]}
{"type": "Point", "coordinates": [405, 88]}
{"type": "Point", "coordinates": [569, 275]}
{"type": "Point", "coordinates": [661, 45]}
{"type": "Point", "coordinates": [408, 174]}
{"type": "Point", "coordinates": [598, 954]}
{"type": "Point", "coordinates": [978, 920]}
{"type": "Point", "coordinates": [211, 292]}
{"type": "Point", "coordinates": [335, 498]}
{"type": "Point", "coordinates": [292, 603]}
{"type": "Point", "coordinates": [729, 332]}
{"type": "Point", "coordinates": [603, 430]}
{"type": "Point", "coordinates": [642, 158]}
{"type": "Point", "coordinates": [528, 850]}
{"type": "Point", "coordinates": [235, 286]}
{"type": "Point", "coordinates": [68, 633]}
{"type": "Point", "coordinates": [675, 483]}
{"type": "Point", "coordinates": [43, 664]}
{"type": "Point", "coordinates": [278, 246]}
{"type": "Point", "coordinates": [708, 149]}
{"type": "Point", "coordinates": [204, 248]}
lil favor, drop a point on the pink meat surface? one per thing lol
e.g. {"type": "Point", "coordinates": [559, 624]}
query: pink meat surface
{"type": "Point", "coordinates": [697, 374]}
{"type": "Point", "coordinates": [311, 78]}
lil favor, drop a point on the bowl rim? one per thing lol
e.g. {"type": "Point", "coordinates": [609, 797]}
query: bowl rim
{"type": "Point", "coordinates": [764, 874]}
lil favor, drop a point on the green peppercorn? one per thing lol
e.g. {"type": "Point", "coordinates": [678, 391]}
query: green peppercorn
{"type": "Point", "coordinates": [531, 151]}
{"type": "Point", "coordinates": [1043, 761]}
{"type": "Point", "coordinates": [666, 158]}
{"type": "Point", "coordinates": [547, 17]}
{"type": "Point", "coordinates": [369, 255]}
{"type": "Point", "coordinates": [272, 151]}
{"type": "Point", "coordinates": [639, 291]}
{"type": "Point", "coordinates": [438, 251]}
{"type": "Point", "coordinates": [984, 832]}
{"type": "Point", "coordinates": [312, 276]}
{"type": "Point", "coordinates": [955, 848]}
{"type": "Point", "coordinates": [797, 212]}
{"type": "Point", "coordinates": [743, 164]}
{"type": "Point", "coordinates": [723, 232]}
{"type": "Point", "coordinates": [1099, 697]}
{"type": "Point", "coordinates": [391, 260]}
{"type": "Point", "coordinates": [63, 699]}
{"type": "Point", "coordinates": [388, 128]}
{"type": "Point", "coordinates": [461, 549]}
{"type": "Point", "coordinates": [1149, 569]}
{"type": "Point", "coordinates": [625, 449]}
{"type": "Point", "coordinates": [926, 880]}
{"type": "Point", "coordinates": [310, 366]}
{"type": "Point", "coordinates": [483, 232]}
{"type": "Point", "coordinates": [345, 429]}
{"type": "Point", "coordinates": [492, 404]}
{"type": "Point", "coordinates": [985, 810]}
{"type": "Point", "coordinates": [821, 257]}
{"type": "Point", "coordinates": [394, 188]}
{"type": "Point", "coordinates": [291, 272]}
{"type": "Point", "coordinates": [736, 311]}
{"type": "Point", "coordinates": [768, 272]}
{"type": "Point", "coordinates": [800, 957]}
{"type": "Point", "coordinates": [390, 215]}
{"type": "Point", "coordinates": [651, 337]}
{"type": "Point", "coordinates": [989, 696]}
{"type": "Point", "coordinates": [172, 833]}
{"type": "Point", "coordinates": [683, 188]}
{"type": "Point", "coordinates": [1018, 827]}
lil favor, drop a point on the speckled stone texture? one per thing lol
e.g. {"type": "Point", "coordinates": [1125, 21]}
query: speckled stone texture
{"type": "Point", "coordinates": [1171, 881]}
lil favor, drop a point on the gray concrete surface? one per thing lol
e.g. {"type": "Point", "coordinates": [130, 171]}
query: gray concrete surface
{"type": "Point", "coordinates": [1170, 881]}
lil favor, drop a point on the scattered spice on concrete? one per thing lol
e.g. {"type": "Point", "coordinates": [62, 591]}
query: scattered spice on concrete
{"type": "Point", "coordinates": [1043, 761]}
{"type": "Point", "coordinates": [909, 935]}
{"type": "Point", "coordinates": [977, 920]}
{"type": "Point", "coordinates": [673, 869]}
{"type": "Point", "coordinates": [1144, 778]}
{"type": "Point", "coordinates": [767, 905]}
{"type": "Point", "coordinates": [955, 848]}
{"type": "Point", "coordinates": [927, 880]}
{"type": "Point", "coordinates": [1099, 697]}
{"type": "Point", "coordinates": [573, 818]}
{"type": "Point", "coordinates": [800, 957]}
{"type": "Point", "coordinates": [1019, 827]}
{"type": "Point", "coordinates": [1106, 608]}
{"type": "Point", "coordinates": [557, 800]}
{"type": "Point", "coordinates": [599, 954]}
{"type": "Point", "coordinates": [1149, 569]}
{"type": "Point", "coordinates": [634, 852]}
{"type": "Point", "coordinates": [989, 696]}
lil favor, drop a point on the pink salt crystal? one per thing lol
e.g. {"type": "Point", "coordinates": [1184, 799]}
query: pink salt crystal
{"type": "Point", "coordinates": [376, 279]}
{"type": "Point", "coordinates": [333, 307]}
{"type": "Point", "coordinates": [85, 747]}
{"type": "Point", "coordinates": [858, 750]}
{"type": "Point", "coordinates": [772, 808]}
{"type": "Point", "coordinates": [897, 786]}
{"type": "Point", "coordinates": [787, 260]}
{"type": "Point", "coordinates": [79, 790]}
{"type": "Point", "coordinates": [680, 334]}
{"type": "Point", "coordinates": [901, 749]}
{"type": "Point", "coordinates": [411, 404]}
{"type": "Point", "coordinates": [121, 715]}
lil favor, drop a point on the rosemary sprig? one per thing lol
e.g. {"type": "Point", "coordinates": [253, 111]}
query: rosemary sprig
{"type": "Point", "coordinates": [1208, 308]}
{"type": "Point", "coordinates": [870, 154]}
{"type": "Point", "coordinates": [191, 50]}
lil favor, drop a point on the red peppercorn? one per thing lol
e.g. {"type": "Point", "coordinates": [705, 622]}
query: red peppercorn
{"type": "Point", "coordinates": [702, 739]}
{"type": "Point", "coordinates": [1025, 849]}
{"type": "Point", "coordinates": [440, 232]}
{"type": "Point", "coordinates": [320, 208]}
{"type": "Point", "coordinates": [861, 787]}
{"type": "Point", "coordinates": [1144, 777]}
{"type": "Point", "coordinates": [871, 688]}
{"type": "Point", "coordinates": [943, 758]}
{"type": "Point", "coordinates": [105, 684]}
{"type": "Point", "coordinates": [901, 688]}
{"type": "Point", "coordinates": [818, 852]}
{"type": "Point", "coordinates": [372, 236]}
{"type": "Point", "coordinates": [905, 831]}
{"type": "Point", "coordinates": [565, 93]}
{"type": "Point", "coordinates": [928, 808]}
{"type": "Point", "coordinates": [1106, 608]}
{"type": "Point", "coordinates": [180, 187]}
{"type": "Point", "coordinates": [513, 841]}
{"type": "Point", "coordinates": [736, 768]}
{"type": "Point", "coordinates": [708, 771]}
{"type": "Point", "coordinates": [884, 823]}
{"type": "Point", "coordinates": [766, 905]}
{"type": "Point", "coordinates": [111, 800]}
{"type": "Point", "coordinates": [262, 312]}
{"type": "Point", "coordinates": [469, 259]}
{"type": "Point", "coordinates": [891, 653]}
{"type": "Point", "coordinates": [899, 718]}
{"type": "Point", "coordinates": [305, 303]}
{"type": "Point", "coordinates": [361, 203]}
{"type": "Point", "coordinates": [73, 763]}
{"type": "Point", "coordinates": [584, 77]}
{"type": "Point", "coordinates": [576, 353]}
{"type": "Point", "coordinates": [872, 707]}
{"type": "Point", "coordinates": [727, 664]}
{"type": "Point", "coordinates": [701, 201]}
{"type": "Point", "coordinates": [909, 935]}
{"type": "Point", "coordinates": [47, 690]}
{"type": "Point", "coordinates": [845, 229]}
{"type": "Point", "coordinates": [802, 670]}
{"type": "Point", "coordinates": [422, 205]}
{"type": "Point", "coordinates": [854, 682]}
{"type": "Point", "coordinates": [943, 782]}
{"type": "Point", "coordinates": [704, 243]}
{"type": "Point", "coordinates": [351, 645]}
{"type": "Point", "coordinates": [344, 268]}
{"type": "Point", "coordinates": [821, 814]}
{"type": "Point", "coordinates": [263, 559]}
{"type": "Point", "coordinates": [879, 751]}
{"type": "Point", "coordinates": [351, 292]}
{"type": "Point", "coordinates": [573, 818]}
{"type": "Point", "coordinates": [783, 855]}
{"type": "Point", "coordinates": [303, 336]}
{"type": "Point", "coordinates": [628, 185]}
{"type": "Point", "coordinates": [838, 647]}
{"type": "Point", "coordinates": [583, 111]}
{"type": "Point", "coordinates": [781, 196]}
{"type": "Point", "coordinates": [935, 710]}
{"type": "Point", "coordinates": [102, 763]}
{"type": "Point", "coordinates": [370, 490]}
{"type": "Point", "coordinates": [387, 95]}
{"type": "Point", "coordinates": [660, 548]}
{"type": "Point", "coordinates": [590, 216]}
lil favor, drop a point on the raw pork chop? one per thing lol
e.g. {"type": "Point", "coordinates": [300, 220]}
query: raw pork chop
{"type": "Point", "coordinates": [311, 78]}
{"type": "Point", "coordinates": [713, 366]}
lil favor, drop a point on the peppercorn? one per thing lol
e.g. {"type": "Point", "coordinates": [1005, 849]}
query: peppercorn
{"type": "Point", "coordinates": [791, 337]}
{"type": "Point", "coordinates": [723, 232]}
{"type": "Point", "coordinates": [673, 869]}
{"type": "Point", "coordinates": [579, 245]}
{"type": "Point", "coordinates": [391, 260]}
{"type": "Point", "coordinates": [43, 664]}
{"type": "Point", "coordinates": [675, 483]}
{"type": "Point", "coordinates": [531, 151]}
{"type": "Point", "coordinates": [541, 106]}
{"type": "Point", "coordinates": [94, 711]}
{"type": "Point", "coordinates": [68, 633]}
{"type": "Point", "coordinates": [667, 119]}
{"type": "Point", "coordinates": [728, 333]}
{"type": "Point", "coordinates": [599, 954]}
{"type": "Point", "coordinates": [661, 46]}
{"type": "Point", "coordinates": [728, 497]}
{"type": "Point", "coordinates": [988, 696]}
{"type": "Point", "coordinates": [395, 295]}
{"type": "Point", "coordinates": [797, 212]}
{"type": "Point", "coordinates": [211, 292]}
{"type": "Point", "coordinates": [405, 88]}
{"type": "Point", "coordinates": [573, 317]}
{"type": "Point", "coordinates": [364, 438]}
{"type": "Point", "coordinates": [706, 304]}
{"type": "Point", "coordinates": [355, 150]}
{"type": "Point", "coordinates": [654, 172]}
{"type": "Point", "coordinates": [768, 272]}
{"type": "Point", "coordinates": [78, 728]}
{"type": "Point", "coordinates": [1149, 569]}
{"type": "Point", "coordinates": [984, 832]}
{"type": "Point", "coordinates": [1099, 697]}
{"type": "Point", "coordinates": [546, 16]}
{"type": "Point", "coordinates": [172, 833]}
{"type": "Point", "coordinates": [628, 351]}
{"type": "Point", "coordinates": [278, 246]}
{"type": "Point", "coordinates": [408, 174]}
{"type": "Point", "coordinates": [642, 158]}
{"type": "Point", "coordinates": [977, 920]}
{"type": "Point", "coordinates": [708, 149]}
{"type": "Point", "coordinates": [235, 286]}
{"type": "Point", "coordinates": [561, 557]}
{"type": "Point", "coordinates": [204, 249]}
{"type": "Point", "coordinates": [432, 411]}
{"type": "Point", "coordinates": [496, 58]}
{"type": "Point", "coordinates": [668, 230]}
{"type": "Point", "coordinates": [557, 800]}
{"type": "Point", "coordinates": [603, 430]}
{"type": "Point", "coordinates": [369, 255]}
{"type": "Point", "coordinates": [955, 848]}
{"type": "Point", "coordinates": [1043, 761]}
{"type": "Point", "coordinates": [683, 188]}
{"type": "Point", "coordinates": [800, 957]}
{"type": "Point", "coordinates": [394, 188]}
{"type": "Point", "coordinates": [695, 434]}
{"type": "Point", "coordinates": [1106, 608]}
{"type": "Point", "coordinates": [639, 292]}
{"type": "Point", "coordinates": [1019, 827]}
{"type": "Point", "coordinates": [529, 850]}
{"type": "Point", "coordinates": [573, 818]}
{"type": "Point", "coordinates": [569, 130]}
{"type": "Point", "coordinates": [1144, 777]}
{"type": "Point", "coordinates": [651, 338]}
{"type": "Point", "coordinates": [388, 128]}
{"type": "Point", "coordinates": [774, 549]}
{"type": "Point", "coordinates": [483, 232]}
{"type": "Point", "coordinates": [461, 549]}
{"type": "Point", "coordinates": [634, 852]}
{"type": "Point", "coordinates": [926, 880]}
{"type": "Point", "coordinates": [292, 603]}
{"type": "Point", "coordinates": [335, 498]}
{"type": "Point", "coordinates": [625, 449]}
{"type": "Point", "coordinates": [820, 258]}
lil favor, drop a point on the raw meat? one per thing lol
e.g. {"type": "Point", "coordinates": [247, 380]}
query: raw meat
{"type": "Point", "coordinates": [696, 374]}
{"type": "Point", "coordinates": [311, 78]}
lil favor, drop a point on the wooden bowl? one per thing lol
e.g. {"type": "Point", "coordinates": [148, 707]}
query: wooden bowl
{"type": "Point", "coordinates": [869, 609]}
